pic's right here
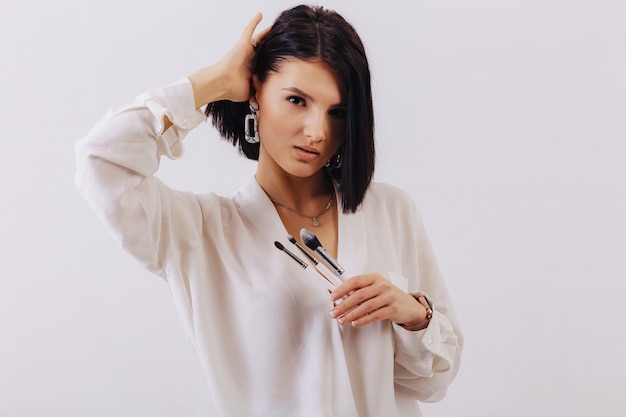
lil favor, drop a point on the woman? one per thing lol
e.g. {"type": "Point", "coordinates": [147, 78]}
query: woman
{"type": "Point", "coordinates": [276, 339]}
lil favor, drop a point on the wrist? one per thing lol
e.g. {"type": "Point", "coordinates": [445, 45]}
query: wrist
{"type": "Point", "coordinates": [423, 300]}
{"type": "Point", "coordinates": [208, 85]}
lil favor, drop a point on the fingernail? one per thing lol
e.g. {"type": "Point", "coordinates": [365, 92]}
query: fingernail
{"type": "Point", "coordinates": [333, 313]}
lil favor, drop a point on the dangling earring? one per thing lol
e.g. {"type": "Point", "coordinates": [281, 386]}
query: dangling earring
{"type": "Point", "coordinates": [338, 161]}
{"type": "Point", "coordinates": [336, 164]}
{"type": "Point", "coordinates": [251, 128]}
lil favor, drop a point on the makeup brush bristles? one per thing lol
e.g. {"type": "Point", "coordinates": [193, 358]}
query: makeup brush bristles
{"type": "Point", "coordinates": [309, 239]}
{"type": "Point", "coordinates": [281, 247]}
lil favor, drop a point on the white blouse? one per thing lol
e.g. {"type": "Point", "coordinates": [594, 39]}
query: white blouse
{"type": "Point", "coordinates": [259, 322]}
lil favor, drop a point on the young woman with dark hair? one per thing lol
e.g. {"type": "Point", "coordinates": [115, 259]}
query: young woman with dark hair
{"type": "Point", "coordinates": [320, 35]}
{"type": "Point", "coordinates": [284, 332]}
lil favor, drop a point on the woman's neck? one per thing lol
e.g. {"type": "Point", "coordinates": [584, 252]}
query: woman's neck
{"type": "Point", "coordinates": [302, 194]}
{"type": "Point", "coordinates": [303, 202]}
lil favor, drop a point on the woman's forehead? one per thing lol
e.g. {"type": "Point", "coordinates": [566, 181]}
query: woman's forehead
{"type": "Point", "coordinates": [313, 77]}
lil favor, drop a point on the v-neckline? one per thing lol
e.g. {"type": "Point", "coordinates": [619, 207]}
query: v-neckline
{"type": "Point", "coordinates": [265, 218]}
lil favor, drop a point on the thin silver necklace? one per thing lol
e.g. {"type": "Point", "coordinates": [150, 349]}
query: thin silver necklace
{"type": "Point", "coordinates": [313, 218]}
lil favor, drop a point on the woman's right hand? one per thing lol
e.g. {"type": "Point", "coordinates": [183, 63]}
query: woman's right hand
{"type": "Point", "coordinates": [231, 77]}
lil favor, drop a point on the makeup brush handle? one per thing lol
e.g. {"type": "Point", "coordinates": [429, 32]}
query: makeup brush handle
{"type": "Point", "coordinates": [332, 277]}
{"type": "Point", "coordinates": [330, 261]}
{"type": "Point", "coordinates": [329, 285]}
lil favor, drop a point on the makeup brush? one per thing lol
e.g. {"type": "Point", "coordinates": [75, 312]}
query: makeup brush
{"type": "Point", "coordinates": [321, 268]}
{"type": "Point", "coordinates": [281, 247]}
{"type": "Point", "coordinates": [327, 277]}
{"type": "Point", "coordinates": [314, 244]}
{"type": "Point", "coordinates": [303, 250]}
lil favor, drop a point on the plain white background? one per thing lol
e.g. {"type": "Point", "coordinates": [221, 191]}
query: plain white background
{"type": "Point", "coordinates": [506, 120]}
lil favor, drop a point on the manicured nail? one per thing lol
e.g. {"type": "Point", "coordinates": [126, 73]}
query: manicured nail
{"type": "Point", "coordinates": [333, 313]}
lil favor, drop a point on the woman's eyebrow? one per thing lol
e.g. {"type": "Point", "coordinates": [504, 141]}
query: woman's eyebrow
{"type": "Point", "coordinates": [299, 92]}
{"type": "Point", "coordinates": [306, 96]}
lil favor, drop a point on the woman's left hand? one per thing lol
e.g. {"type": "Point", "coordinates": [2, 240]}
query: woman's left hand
{"type": "Point", "coordinates": [371, 297]}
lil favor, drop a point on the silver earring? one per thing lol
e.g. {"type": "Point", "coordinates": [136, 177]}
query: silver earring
{"type": "Point", "coordinates": [336, 163]}
{"type": "Point", "coordinates": [251, 127]}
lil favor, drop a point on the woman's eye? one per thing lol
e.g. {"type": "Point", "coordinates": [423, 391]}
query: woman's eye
{"type": "Point", "coordinates": [338, 113]}
{"type": "Point", "coordinates": [298, 101]}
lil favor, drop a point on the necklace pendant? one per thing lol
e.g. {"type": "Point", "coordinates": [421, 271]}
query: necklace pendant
{"type": "Point", "coordinates": [315, 222]}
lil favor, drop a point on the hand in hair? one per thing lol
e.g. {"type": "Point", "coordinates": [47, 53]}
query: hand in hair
{"type": "Point", "coordinates": [231, 77]}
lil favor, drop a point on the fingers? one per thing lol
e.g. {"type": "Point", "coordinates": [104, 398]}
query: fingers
{"type": "Point", "coordinates": [259, 37]}
{"type": "Point", "coordinates": [363, 284]}
{"type": "Point", "coordinates": [248, 35]}
{"type": "Point", "coordinates": [368, 298]}
{"type": "Point", "coordinates": [367, 312]}
{"type": "Point", "coordinates": [349, 286]}
{"type": "Point", "coordinates": [250, 27]}
{"type": "Point", "coordinates": [363, 299]}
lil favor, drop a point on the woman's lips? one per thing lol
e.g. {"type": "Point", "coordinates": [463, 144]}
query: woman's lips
{"type": "Point", "coordinates": [306, 154]}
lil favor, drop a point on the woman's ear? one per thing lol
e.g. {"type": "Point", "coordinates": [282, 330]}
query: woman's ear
{"type": "Point", "coordinates": [256, 85]}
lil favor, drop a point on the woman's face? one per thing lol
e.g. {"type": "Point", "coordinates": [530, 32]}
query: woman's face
{"type": "Point", "coordinates": [301, 117]}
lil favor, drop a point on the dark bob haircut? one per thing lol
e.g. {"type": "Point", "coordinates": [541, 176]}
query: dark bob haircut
{"type": "Point", "coordinates": [316, 34]}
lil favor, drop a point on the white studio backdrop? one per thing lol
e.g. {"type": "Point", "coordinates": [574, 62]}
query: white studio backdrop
{"type": "Point", "coordinates": [506, 120]}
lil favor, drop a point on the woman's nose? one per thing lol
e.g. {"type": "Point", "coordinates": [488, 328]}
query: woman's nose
{"type": "Point", "coordinates": [315, 126]}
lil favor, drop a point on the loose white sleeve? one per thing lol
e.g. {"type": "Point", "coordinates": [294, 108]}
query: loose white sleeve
{"type": "Point", "coordinates": [426, 361]}
{"type": "Point", "coordinates": [116, 162]}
